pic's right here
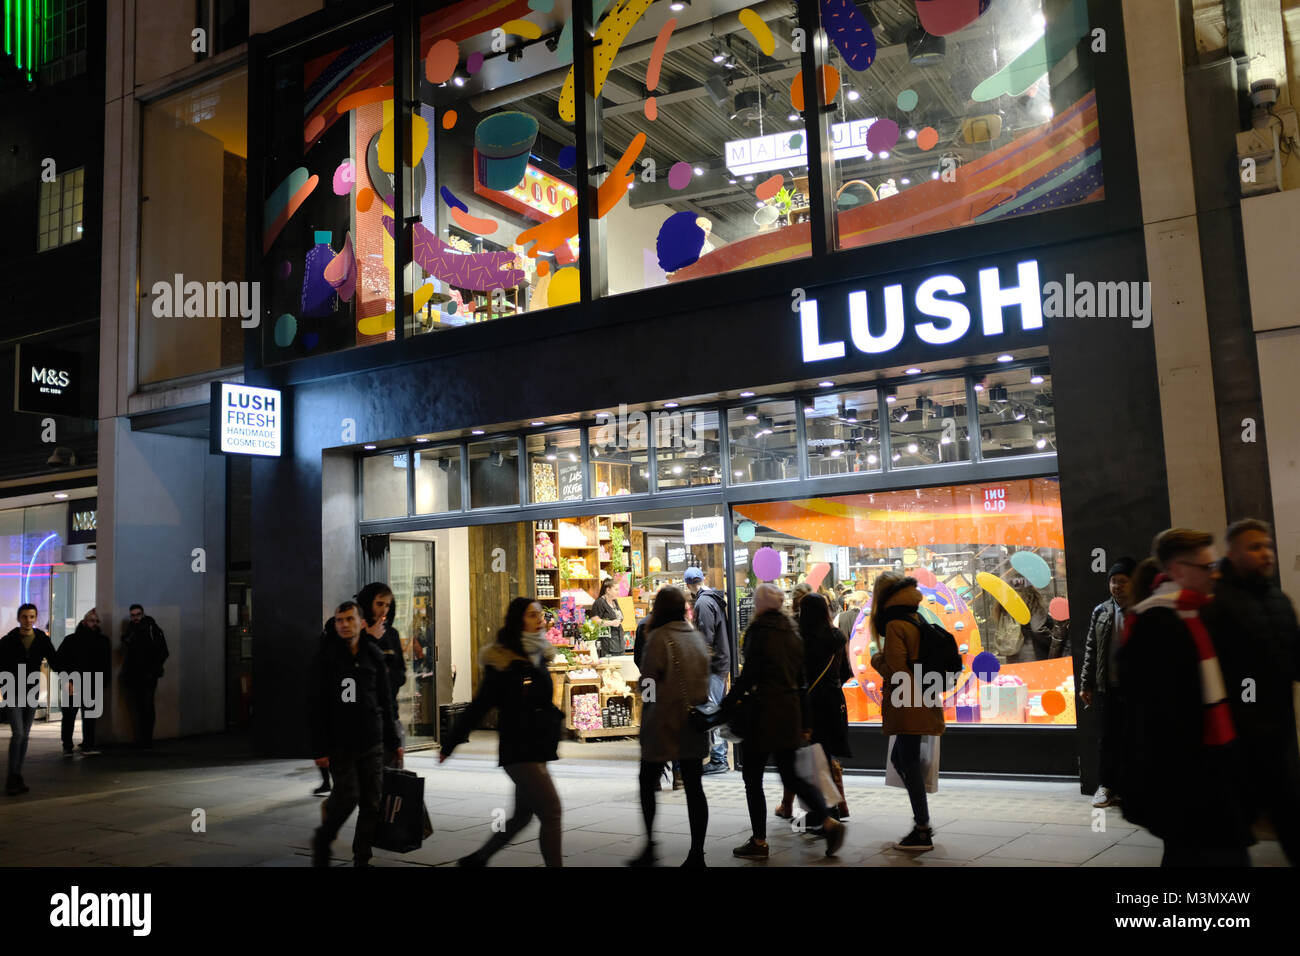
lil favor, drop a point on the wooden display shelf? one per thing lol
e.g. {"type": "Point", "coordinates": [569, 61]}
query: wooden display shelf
{"type": "Point", "coordinates": [601, 732]}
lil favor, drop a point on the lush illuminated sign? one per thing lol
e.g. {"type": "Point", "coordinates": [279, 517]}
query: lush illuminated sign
{"type": "Point", "coordinates": [937, 298]}
{"type": "Point", "coordinates": [246, 420]}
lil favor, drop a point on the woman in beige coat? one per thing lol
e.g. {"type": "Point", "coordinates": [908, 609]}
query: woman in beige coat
{"type": "Point", "coordinates": [674, 678]}
{"type": "Point", "coordinates": [907, 713]}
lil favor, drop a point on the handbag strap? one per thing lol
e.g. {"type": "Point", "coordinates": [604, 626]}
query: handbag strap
{"type": "Point", "coordinates": [823, 673]}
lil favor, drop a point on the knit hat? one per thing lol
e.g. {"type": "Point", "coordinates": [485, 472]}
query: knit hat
{"type": "Point", "coordinates": [1125, 566]}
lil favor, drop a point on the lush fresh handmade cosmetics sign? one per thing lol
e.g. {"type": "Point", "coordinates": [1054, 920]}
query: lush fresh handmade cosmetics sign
{"type": "Point", "coordinates": [246, 420]}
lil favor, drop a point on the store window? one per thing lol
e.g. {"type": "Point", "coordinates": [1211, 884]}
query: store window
{"type": "Point", "coordinates": [193, 201]}
{"type": "Point", "coordinates": [63, 39]}
{"type": "Point", "coordinates": [762, 441]}
{"type": "Point", "coordinates": [555, 470]}
{"type": "Point", "coordinates": [1016, 412]}
{"type": "Point", "coordinates": [226, 23]}
{"type": "Point", "coordinates": [927, 423]}
{"type": "Point", "coordinates": [61, 210]}
{"type": "Point", "coordinates": [842, 433]}
{"type": "Point", "coordinates": [494, 473]}
{"type": "Point", "coordinates": [620, 457]}
{"type": "Point", "coordinates": [491, 161]}
{"type": "Point", "coordinates": [328, 268]}
{"type": "Point", "coordinates": [383, 485]}
{"type": "Point", "coordinates": [719, 181]}
{"type": "Point", "coordinates": [437, 480]}
{"type": "Point", "coordinates": [687, 449]}
{"type": "Point", "coordinates": [989, 559]}
{"type": "Point", "coordinates": [960, 114]}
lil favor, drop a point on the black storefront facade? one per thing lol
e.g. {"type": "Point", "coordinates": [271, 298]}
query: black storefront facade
{"type": "Point", "coordinates": [721, 344]}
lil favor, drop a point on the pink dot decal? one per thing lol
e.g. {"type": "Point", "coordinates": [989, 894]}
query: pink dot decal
{"type": "Point", "coordinates": [924, 577]}
{"type": "Point", "coordinates": [474, 63]}
{"type": "Point", "coordinates": [882, 135]}
{"type": "Point", "coordinates": [679, 176]}
{"type": "Point", "coordinates": [344, 177]}
{"type": "Point", "coordinates": [1059, 608]}
{"type": "Point", "coordinates": [767, 564]}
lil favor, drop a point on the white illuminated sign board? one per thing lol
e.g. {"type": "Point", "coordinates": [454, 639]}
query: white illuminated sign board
{"type": "Point", "coordinates": [937, 298]}
{"type": "Point", "coordinates": [703, 530]}
{"type": "Point", "coordinates": [247, 420]}
{"type": "Point", "coordinates": [763, 153]}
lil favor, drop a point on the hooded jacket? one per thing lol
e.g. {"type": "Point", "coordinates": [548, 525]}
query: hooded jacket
{"type": "Point", "coordinates": [711, 622]}
{"type": "Point", "coordinates": [900, 649]}
{"type": "Point", "coordinates": [528, 723]}
{"type": "Point", "coordinates": [146, 651]}
{"type": "Point", "coordinates": [350, 718]}
{"type": "Point", "coordinates": [85, 651]}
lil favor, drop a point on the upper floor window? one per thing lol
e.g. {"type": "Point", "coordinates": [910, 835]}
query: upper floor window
{"type": "Point", "coordinates": [59, 222]}
{"type": "Point", "coordinates": [225, 23]}
{"type": "Point", "coordinates": [62, 38]}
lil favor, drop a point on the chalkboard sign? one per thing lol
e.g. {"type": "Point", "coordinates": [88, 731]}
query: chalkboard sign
{"type": "Point", "coordinates": [571, 478]}
{"type": "Point", "coordinates": [745, 611]}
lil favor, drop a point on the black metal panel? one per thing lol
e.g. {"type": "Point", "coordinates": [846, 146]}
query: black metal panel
{"type": "Point", "coordinates": [971, 748]}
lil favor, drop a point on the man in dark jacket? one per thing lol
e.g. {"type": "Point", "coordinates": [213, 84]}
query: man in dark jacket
{"type": "Point", "coordinates": [1181, 767]}
{"type": "Point", "coordinates": [711, 622]}
{"type": "Point", "coordinates": [145, 650]}
{"type": "Point", "coordinates": [1099, 679]}
{"type": "Point", "coordinates": [21, 653]}
{"type": "Point", "coordinates": [352, 727]}
{"type": "Point", "coordinates": [775, 718]}
{"type": "Point", "coordinates": [1255, 632]}
{"type": "Point", "coordinates": [85, 653]}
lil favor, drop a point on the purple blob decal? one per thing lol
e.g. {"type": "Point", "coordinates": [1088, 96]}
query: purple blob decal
{"type": "Point", "coordinates": [679, 176]}
{"type": "Point", "coordinates": [680, 241]}
{"type": "Point", "coordinates": [451, 200]}
{"type": "Point", "coordinates": [474, 62]}
{"type": "Point", "coordinates": [568, 156]}
{"type": "Point", "coordinates": [882, 135]}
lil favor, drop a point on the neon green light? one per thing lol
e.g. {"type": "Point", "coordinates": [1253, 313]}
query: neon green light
{"type": "Point", "coordinates": [21, 19]}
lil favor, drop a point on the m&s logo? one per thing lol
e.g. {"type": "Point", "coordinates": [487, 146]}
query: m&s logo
{"type": "Point", "coordinates": [51, 376]}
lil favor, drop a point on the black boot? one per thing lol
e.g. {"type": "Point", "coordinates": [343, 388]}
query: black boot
{"type": "Point", "coordinates": [11, 785]}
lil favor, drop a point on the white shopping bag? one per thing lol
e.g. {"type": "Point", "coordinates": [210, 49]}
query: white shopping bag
{"type": "Point", "coordinates": [929, 764]}
{"type": "Point", "coordinates": [810, 764]}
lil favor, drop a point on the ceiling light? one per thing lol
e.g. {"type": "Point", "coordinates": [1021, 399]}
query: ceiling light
{"type": "Point", "coordinates": [749, 179]}
{"type": "Point", "coordinates": [883, 154]}
{"type": "Point", "coordinates": [891, 395]}
{"type": "Point", "coordinates": [677, 469]}
{"type": "Point", "coordinates": [458, 80]}
{"type": "Point", "coordinates": [825, 384]}
{"type": "Point", "coordinates": [809, 409]}
{"type": "Point", "coordinates": [699, 171]}
{"type": "Point", "coordinates": [759, 203]}
{"type": "Point", "coordinates": [551, 453]}
{"type": "Point", "coordinates": [998, 393]}
{"type": "Point", "coordinates": [572, 457]}
{"type": "Point", "coordinates": [731, 181]}
{"type": "Point", "coordinates": [853, 95]}
{"type": "Point", "coordinates": [911, 448]}
{"type": "Point", "coordinates": [793, 117]}
{"type": "Point", "coordinates": [631, 186]}
{"type": "Point", "coordinates": [719, 55]}
{"type": "Point", "coordinates": [371, 447]}
{"type": "Point", "coordinates": [677, 6]}
{"type": "Point", "coordinates": [835, 453]}
{"type": "Point", "coordinates": [902, 414]}
{"type": "Point", "coordinates": [905, 181]}
{"type": "Point", "coordinates": [1040, 444]}
{"type": "Point", "coordinates": [1019, 414]}
{"type": "Point", "coordinates": [1004, 357]}
{"type": "Point", "coordinates": [746, 394]}
{"type": "Point", "coordinates": [1036, 375]}
{"type": "Point", "coordinates": [670, 404]}
{"type": "Point", "coordinates": [851, 414]}
{"type": "Point", "coordinates": [895, 456]}
{"type": "Point", "coordinates": [912, 371]}
{"type": "Point", "coordinates": [945, 440]}
{"type": "Point", "coordinates": [476, 431]}
{"type": "Point", "coordinates": [60, 495]}
{"type": "Point", "coordinates": [536, 424]}
{"type": "Point", "coordinates": [738, 474]}
{"type": "Point", "coordinates": [934, 174]}
{"type": "Point", "coordinates": [422, 440]}
{"type": "Point", "coordinates": [979, 386]}
{"type": "Point", "coordinates": [911, 134]}
{"type": "Point", "coordinates": [872, 459]}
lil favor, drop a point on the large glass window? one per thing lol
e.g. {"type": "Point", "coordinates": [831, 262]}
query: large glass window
{"type": "Point", "coordinates": [842, 433]}
{"type": "Point", "coordinates": [762, 442]}
{"type": "Point", "coordinates": [963, 117]}
{"type": "Point", "coordinates": [990, 562]}
{"type": "Point", "coordinates": [62, 39]}
{"type": "Point", "coordinates": [555, 469]}
{"type": "Point", "coordinates": [620, 456]}
{"type": "Point", "coordinates": [383, 485]}
{"type": "Point", "coordinates": [927, 423]}
{"type": "Point", "coordinates": [437, 480]}
{"type": "Point", "coordinates": [61, 211]}
{"type": "Point", "coordinates": [686, 448]}
{"type": "Point", "coordinates": [494, 473]}
{"type": "Point", "coordinates": [1016, 412]}
{"type": "Point", "coordinates": [193, 199]}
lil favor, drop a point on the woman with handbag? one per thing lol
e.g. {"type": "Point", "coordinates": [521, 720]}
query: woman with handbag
{"type": "Point", "coordinates": [765, 708]}
{"type": "Point", "coordinates": [894, 622]}
{"type": "Point", "coordinates": [516, 682]}
{"type": "Point", "coordinates": [826, 660]}
{"type": "Point", "coordinates": [674, 680]}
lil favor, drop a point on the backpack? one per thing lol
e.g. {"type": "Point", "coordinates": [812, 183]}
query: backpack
{"type": "Point", "coordinates": [937, 652]}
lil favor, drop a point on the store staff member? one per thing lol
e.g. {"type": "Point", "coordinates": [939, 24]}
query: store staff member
{"type": "Point", "coordinates": [606, 612]}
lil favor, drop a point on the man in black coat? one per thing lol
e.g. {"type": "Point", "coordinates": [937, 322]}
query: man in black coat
{"type": "Point", "coordinates": [21, 653]}
{"type": "Point", "coordinates": [1255, 632]}
{"type": "Point", "coordinates": [145, 650]}
{"type": "Point", "coordinates": [86, 653]}
{"type": "Point", "coordinates": [352, 727]}
{"type": "Point", "coordinates": [711, 621]}
{"type": "Point", "coordinates": [1099, 679]}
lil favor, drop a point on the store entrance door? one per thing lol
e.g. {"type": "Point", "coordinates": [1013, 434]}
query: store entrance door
{"type": "Point", "coordinates": [411, 572]}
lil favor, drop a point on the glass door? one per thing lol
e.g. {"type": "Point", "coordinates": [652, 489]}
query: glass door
{"type": "Point", "coordinates": [411, 578]}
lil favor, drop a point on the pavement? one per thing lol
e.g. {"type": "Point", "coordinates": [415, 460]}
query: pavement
{"type": "Point", "coordinates": [141, 808]}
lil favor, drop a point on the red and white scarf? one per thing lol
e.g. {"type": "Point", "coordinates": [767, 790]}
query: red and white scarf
{"type": "Point", "coordinates": [1217, 728]}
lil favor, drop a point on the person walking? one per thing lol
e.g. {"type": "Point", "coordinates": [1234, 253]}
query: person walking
{"type": "Point", "coordinates": [145, 652]}
{"type": "Point", "coordinates": [325, 642]}
{"type": "Point", "coordinates": [85, 652]}
{"type": "Point", "coordinates": [1255, 633]}
{"type": "Point", "coordinates": [1099, 679]}
{"type": "Point", "coordinates": [906, 714]}
{"type": "Point", "coordinates": [712, 622]}
{"type": "Point", "coordinates": [1181, 772]}
{"type": "Point", "coordinates": [638, 650]}
{"type": "Point", "coordinates": [516, 682]}
{"type": "Point", "coordinates": [380, 610]}
{"type": "Point", "coordinates": [353, 731]}
{"type": "Point", "coordinates": [21, 653]}
{"type": "Point", "coordinates": [674, 678]}
{"type": "Point", "coordinates": [772, 684]}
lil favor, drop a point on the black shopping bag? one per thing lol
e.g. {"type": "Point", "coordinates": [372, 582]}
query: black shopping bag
{"type": "Point", "coordinates": [403, 819]}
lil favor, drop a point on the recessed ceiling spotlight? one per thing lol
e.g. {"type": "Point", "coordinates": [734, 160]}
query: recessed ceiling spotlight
{"type": "Point", "coordinates": [891, 395]}
{"type": "Point", "coordinates": [699, 171]}
{"type": "Point", "coordinates": [934, 174]}
{"type": "Point", "coordinates": [738, 474]}
{"type": "Point", "coordinates": [476, 431]}
{"type": "Point", "coordinates": [1036, 375]}
{"type": "Point", "coordinates": [911, 448]}
{"type": "Point", "coordinates": [911, 134]}
{"type": "Point", "coordinates": [905, 181]}
{"type": "Point", "coordinates": [749, 179]}
{"type": "Point", "coordinates": [677, 469]}
{"type": "Point", "coordinates": [872, 459]}
{"type": "Point", "coordinates": [853, 95]}
{"type": "Point", "coordinates": [731, 182]}
{"type": "Point", "coordinates": [371, 447]}
{"type": "Point", "coordinates": [793, 117]}
{"type": "Point", "coordinates": [1004, 357]}
{"type": "Point", "coordinates": [979, 386]}
{"type": "Point", "coordinates": [536, 424]}
{"type": "Point", "coordinates": [458, 80]}
{"type": "Point", "coordinates": [912, 371]}
{"type": "Point", "coordinates": [746, 394]}
{"type": "Point", "coordinates": [1040, 444]}
{"type": "Point", "coordinates": [677, 6]}
{"type": "Point", "coordinates": [670, 404]}
{"type": "Point", "coordinates": [60, 495]}
{"type": "Point", "coordinates": [825, 384]}
{"type": "Point", "coordinates": [422, 440]}
{"type": "Point", "coordinates": [883, 154]}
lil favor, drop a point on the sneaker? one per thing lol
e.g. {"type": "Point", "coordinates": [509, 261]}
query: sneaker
{"type": "Point", "coordinates": [646, 857]}
{"type": "Point", "coordinates": [752, 850]}
{"type": "Point", "coordinates": [1103, 797]}
{"type": "Point", "coordinates": [716, 766]}
{"type": "Point", "coordinates": [320, 791]}
{"type": "Point", "coordinates": [918, 841]}
{"type": "Point", "coordinates": [320, 853]}
{"type": "Point", "coordinates": [11, 786]}
{"type": "Point", "coordinates": [22, 787]}
{"type": "Point", "coordinates": [834, 836]}
{"type": "Point", "coordinates": [67, 750]}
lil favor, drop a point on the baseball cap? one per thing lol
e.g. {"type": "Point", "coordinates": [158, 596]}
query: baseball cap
{"type": "Point", "coordinates": [693, 574]}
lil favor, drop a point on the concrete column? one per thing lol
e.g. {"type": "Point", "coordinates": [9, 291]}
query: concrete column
{"type": "Point", "coordinates": [1187, 402]}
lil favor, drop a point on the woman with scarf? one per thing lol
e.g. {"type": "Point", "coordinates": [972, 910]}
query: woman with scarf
{"type": "Point", "coordinates": [516, 682]}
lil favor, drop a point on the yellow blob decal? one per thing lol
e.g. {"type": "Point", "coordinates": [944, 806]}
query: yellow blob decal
{"type": "Point", "coordinates": [564, 287]}
{"type": "Point", "coordinates": [752, 22]}
{"type": "Point", "coordinates": [610, 35]}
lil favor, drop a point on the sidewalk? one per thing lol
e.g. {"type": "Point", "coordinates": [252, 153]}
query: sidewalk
{"type": "Point", "coordinates": [136, 809]}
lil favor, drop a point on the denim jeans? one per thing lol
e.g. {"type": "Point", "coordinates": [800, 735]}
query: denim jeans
{"type": "Point", "coordinates": [906, 758]}
{"type": "Point", "coordinates": [20, 723]}
{"type": "Point", "coordinates": [717, 746]}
